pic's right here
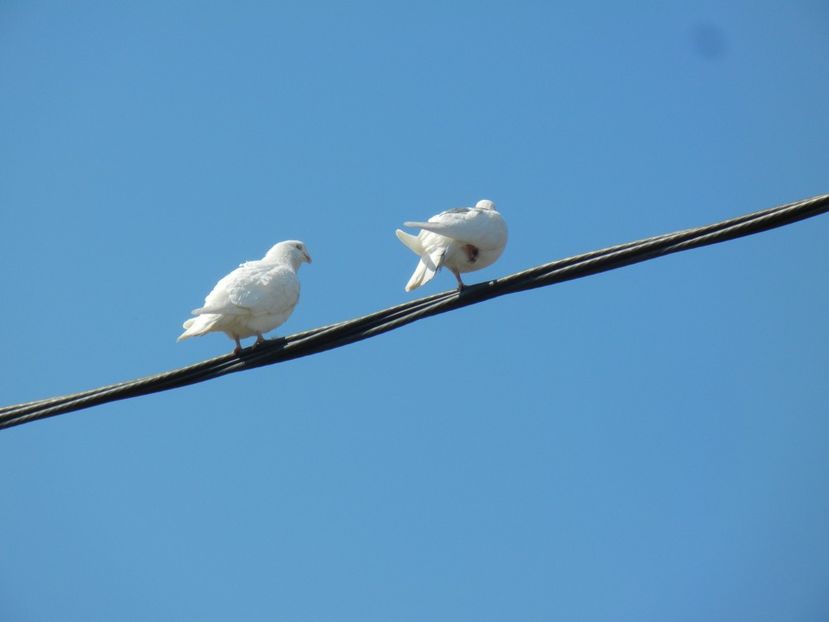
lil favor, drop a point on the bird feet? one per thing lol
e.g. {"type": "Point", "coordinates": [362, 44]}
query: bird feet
{"type": "Point", "coordinates": [238, 349]}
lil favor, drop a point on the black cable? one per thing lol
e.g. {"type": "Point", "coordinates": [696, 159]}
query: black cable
{"type": "Point", "coordinates": [343, 333]}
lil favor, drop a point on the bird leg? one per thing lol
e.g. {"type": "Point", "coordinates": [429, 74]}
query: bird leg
{"type": "Point", "coordinates": [458, 277]}
{"type": "Point", "coordinates": [259, 340]}
{"type": "Point", "coordinates": [238, 347]}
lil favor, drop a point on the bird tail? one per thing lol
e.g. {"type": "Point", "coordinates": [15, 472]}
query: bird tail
{"type": "Point", "coordinates": [198, 325]}
{"type": "Point", "coordinates": [412, 242]}
{"type": "Point", "coordinates": [422, 275]}
{"type": "Point", "coordinates": [426, 269]}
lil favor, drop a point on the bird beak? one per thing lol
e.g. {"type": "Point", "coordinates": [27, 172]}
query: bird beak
{"type": "Point", "coordinates": [307, 256]}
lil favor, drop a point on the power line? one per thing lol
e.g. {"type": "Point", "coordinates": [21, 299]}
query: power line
{"type": "Point", "coordinates": [343, 333]}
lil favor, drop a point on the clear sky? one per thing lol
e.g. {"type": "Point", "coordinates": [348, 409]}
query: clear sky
{"type": "Point", "coordinates": [649, 444]}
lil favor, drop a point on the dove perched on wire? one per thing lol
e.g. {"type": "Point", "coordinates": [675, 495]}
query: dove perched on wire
{"type": "Point", "coordinates": [462, 240]}
{"type": "Point", "coordinates": [255, 298]}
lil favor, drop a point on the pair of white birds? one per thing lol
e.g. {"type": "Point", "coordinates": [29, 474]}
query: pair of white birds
{"type": "Point", "coordinates": [260, 295]}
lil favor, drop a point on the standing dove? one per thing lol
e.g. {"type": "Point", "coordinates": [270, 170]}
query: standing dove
{"type": "Point", "coordinates": [255, 298]}
{"type": "Point", "coordinates": [463, 239]}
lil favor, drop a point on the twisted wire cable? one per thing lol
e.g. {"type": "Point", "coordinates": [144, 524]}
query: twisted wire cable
{"type": "Point", "coordinates": [340, 334]}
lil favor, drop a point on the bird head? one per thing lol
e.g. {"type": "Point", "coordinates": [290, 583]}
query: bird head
{"type": "Point", "coordinates": [485, 204]}
{"type": "Point", "coordinates": [289, 251]}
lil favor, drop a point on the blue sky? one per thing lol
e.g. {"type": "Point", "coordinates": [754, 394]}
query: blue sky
{"type": "Point", "coordinates": [646, 444]}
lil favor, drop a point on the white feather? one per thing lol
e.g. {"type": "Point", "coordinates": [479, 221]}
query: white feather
{"type": "Point", "coordinates": [255, 298]}
{"type": "Point", "coordinates": [462, 240]}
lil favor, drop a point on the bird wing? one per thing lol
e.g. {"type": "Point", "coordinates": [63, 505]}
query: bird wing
{"type": "Point", "coordinates": [269, 291]}
{"type": "Point", "coordinates": [459, 224]}
{"type": "Point", "coordinates": [252, 288]}
{"type": "Point", "coordinates": [434, 249]}
{"type": "Point", "coordinates": [218, 300]}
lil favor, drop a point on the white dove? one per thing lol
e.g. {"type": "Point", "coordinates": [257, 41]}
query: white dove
{"type": "Point", "coordinates": [255, 298]}
{"type": "Point", "coordinates": [461, 239]}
